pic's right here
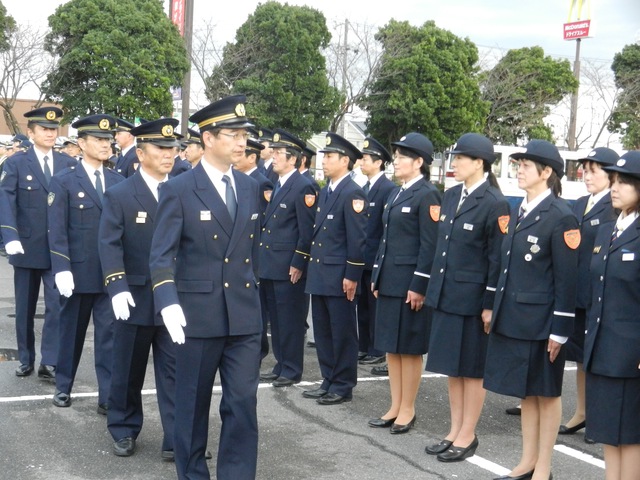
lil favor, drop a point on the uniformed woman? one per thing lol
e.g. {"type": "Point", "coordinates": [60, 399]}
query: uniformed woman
{"type": "Point", "coordinates": [534, 306]}
{"type": "Point", "coordinates": [612, 344]}
{"type": "Point", "coordinates": [591, 211]}
{"type": "Point", "coordinates": [462, 287]}
{"type": "Point", "coordinates": [400, 277]}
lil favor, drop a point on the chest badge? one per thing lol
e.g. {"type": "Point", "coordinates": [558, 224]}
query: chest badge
{"type": "Point", "coordinates": [358, 205]}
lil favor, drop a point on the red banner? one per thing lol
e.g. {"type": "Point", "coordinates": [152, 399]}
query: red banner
{"type": "Point", "coordinates": [575, 30]}
{"type": "Point", "coordinates": [177, 14]}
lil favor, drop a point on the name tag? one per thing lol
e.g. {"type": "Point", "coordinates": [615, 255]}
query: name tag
{"type": "Point", "coordinates": [595, 221]}
{"type": "Point", "coordinates": [142, 214]}
{"type": "Point", "coordinates": [532, 239]}
{"type": "Point", "coordinates": [628, 257]}
{"type": "Point", "coordinates": [205, 215]}
{"type": "Point", "coordinates": [329, 217]}
{"type": "Point", "coordinates": [254, 216]}
{"type": "Point", "coordinates": [468, 226]}
{"type": "Point", "coordinates": [141, 220]}
{"type": "Point", "coordinates": [372, 204]}
{"type": "Point", "coordinates": [283, 205]}
{"type": "Point", "coordinates": [406, 209]}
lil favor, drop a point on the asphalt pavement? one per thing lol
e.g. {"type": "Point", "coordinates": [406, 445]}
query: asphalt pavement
{"type": "Point", "coordinates": [299, 439]}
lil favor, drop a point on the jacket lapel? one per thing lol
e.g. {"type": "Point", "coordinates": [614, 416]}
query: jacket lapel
{"type": "Point", "coordinates": [209, 196]}
{"type": "Point", "coordinates": [36, 170]}
{"type": "Point", "coordinates": [87, 185]}
{"type": "Point", "coordinates": [144, 196]}
{"type": "Point", "coordinates": [243, 213]}
{"type": "Point", "coordinates": [329, 201]}
{"type": "Point", "coordinates": [628, 235]}
{"type": "Point", "coordinates": [472, 199]}
{"type": "Point", "coordinates": [533, 216]}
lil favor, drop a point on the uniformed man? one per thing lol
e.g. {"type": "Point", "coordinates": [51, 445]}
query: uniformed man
{"type": "Point", "coordinates": [377, 188]}
{"type": "Point", "coordinates": [127, 163]}
{"type": "Point", "coordinates": [335, 271]}
{"type": "Point", "coordinates": [24, 187]}
{"type": "Point", "coordinates": [71, 148]}
{"type": "Point", "coordinates": [266, 156]}
{"type": "Point", "coordinates": [194, 150]}
{"type": "Point", "coordinates": [126, 228]}
{"type": "Point", "coordinates": [284, 253]}
{"type": "Point", "coordinates": [247, 164]}
{"type": "Point", "coordinates": [75, 207]}
{"type": "Point", "coordinates": [204, 273]}
{"type": "Point", "coordinates": [305, 164]}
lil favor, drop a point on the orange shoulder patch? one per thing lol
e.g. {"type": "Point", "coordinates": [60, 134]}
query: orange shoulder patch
{"type": "Point", "coordinates": [358, 205]}
{"type": "Point", "coordinates": [310, 199]}
{"type": "Point", "coordinates": [267, 195]}
{"type": "Point", "coordinates": [503, 223]}
{"type": "Point", "coordinates": [572, 238]}
{"type": "Point", "coordinates": [434, 212]}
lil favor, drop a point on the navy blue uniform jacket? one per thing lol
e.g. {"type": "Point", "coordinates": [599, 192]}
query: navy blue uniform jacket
{"type": "Point", "coordinates": [128, 163]}
{"type": "Point", "coordinates": [286, 236]}
{"type": "Point", "coordinates": [409, 241]}
{"type": "Point", "coordinates": [377, 199]}
{"type": "Point", "coordinates": [23, 206]}
{"type": "Point", "coordinates": [466, 265]}
{"type": "Point", "coordinates": [337, 245]}
{"type": "Point", "coordinates": [126, 229]}
{"type": "Point", "coordinates": [198, 254]}
{"type": "Point", "coordinates": [74, 219]}
{"type": "Point", "coordinates": [538, 274]}
{"type": "Point", "coordinates": [265, 188]}
{"type": "Point", "coordinates": [612, 343]}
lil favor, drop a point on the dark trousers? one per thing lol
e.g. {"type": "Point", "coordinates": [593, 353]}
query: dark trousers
{"type": "Point", "coordinates": [264, 339]}
{"type": "Point", "coordinates": [367, 317]}
{"type": "Point", "coordinates": [335, 331]}
{"type": "Point", "coordinates": [286, 304]}
{"type": "Point", "coordinates": [26, 283]}
{"type": "Point", "coordinates": [197, 361]}
{"type": "Point", "coordinates": [74, 319]}
{"type": "Point", "coordinates": [131, 346]}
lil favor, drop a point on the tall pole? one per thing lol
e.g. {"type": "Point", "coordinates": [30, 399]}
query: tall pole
{"type": "Point", "coordinates": [343, 126]}
{"type": "Point", "coordinates": [186, 83]}
{"type": "Point", "coordinates": [573, 116]}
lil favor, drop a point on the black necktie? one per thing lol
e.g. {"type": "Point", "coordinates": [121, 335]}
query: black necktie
{"type": "Point", "coordinates": [398, 195]}
{"type": "Point", "coordinates": [99, 184]}
{"type": "Point", "coordinates": [275, 190]}
{"type": "Point", "coordinates": [616, 233]}
{"type": "Point", "coordinates": [329, 191]}
{"type": "Point", "coordinates": [160, 188]}
{"type": "Point", "coordinates": [230, 197]}
{"type": "Point", "coordinates": [520, 216]}
{"type": "Point", "coordinates": [367, 187]}
{"type": "Point", "coordinates": [463, 197]}
{"type": "Point", "coordinates": [47, 170]}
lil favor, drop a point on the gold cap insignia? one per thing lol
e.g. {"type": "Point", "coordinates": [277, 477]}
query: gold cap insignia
{"type": "Point", "coordinates": [327, 141]}
{"type": "Point", "coordinates": [167, 131]}
{"type": "Point", "coordinates": [104, 124]}
{"type": "Point", "coordinates": [240, 111]}
{"type": "Point", "coordinates": [276, 137]}
{"type": "Point", "coordinates": [260, 133]}
{"type": "Point", "coordinates": [51, 115]}
{"type": "Point", "coordinates": [366, 144]}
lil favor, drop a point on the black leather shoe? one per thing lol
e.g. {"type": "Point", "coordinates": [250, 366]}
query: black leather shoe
{"type": "Point", "coordinates": [564, 430]}
{"type": "Point", "coordinates": [316, 393]}
{"type": "Point", "coordinates": [47, 372]}
{"type": "Point", "coordinates": [457, 454]}
{"type": "Point", "coordinates": [124, 447]}
{"type": "Point", "coordinates": [268, 377]}
{"type": "Point", "coordinates": [283, 382]}
{"type": "Point", "coordinates": [61, 399]}
{"type": "Point", "coordinates": [397, 428]}
{"type": "Point", "coordinates": [332, 399]}
{"type": "Point", "coordinates": [381, 422]}
{"type": "Point", "coordinates": [514, 411]}
{"type": "Point", "coordinates": [102, 408]}
{"type": "Point", "coordinates": [371, 360]}
{"type": "Point", "coordinates": [437, 448]}
{"type": "Point", "coordinates": [24, 370]}
{"type": "Point", "coordinates": [524, 476]}
{"type": "Point", "coordinates": [362, 355]}
{"type": "Point", "coordinates": [169, 456]}
{"type": "Point", "coordinates": [380, 370]}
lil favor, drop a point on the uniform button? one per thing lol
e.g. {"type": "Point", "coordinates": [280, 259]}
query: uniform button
{"type": "Point", "coordinates": [226, 260]}
{"type": "Point", "coordinates": [311, 259]}
{"type": "Point", "coordinates": [247, 285]}
{"type": "Point", "coordinates": [505, 270]}
{"type": "Point", "coordinates": [384, 241]}
{"type": "Point", "coordinates": [317, 260]}
{"type": "Point", "coordinates": [444, 254]}
{"type": "Point", "coordinates": [502, 289]}
{"type": "Point", "coordinates": [268, 231]}
{"type": "Point", "coordinates": [119, 277]}
{"type": "Point", "coordinates": [215, 237]}
{"type": "Point", "coordinates": [314, 225]}
{"type": "Point", "coordinates": [599, 299]}
{"type": "Point", "coordinates": [267, 247]}
{"type": "Point", "coordinates": [324, 228]}
{"type": "Point", "coordinates": [250, 236]}
{"type": "Point", "coordinates": [509, 252]}
{"type": "Point", "coordinates": [28, 188]}
{"type": "Point", "coordinates": [605, 257]}
{"type": "Point", "coordinates": [320, 245]}
{"type": "Point", "coordinates": [313, 243]}
{"type": "Point", "coordinates": [246, 260]}
{"type": "Point", "coordinates": [260, 243]}
{"type": "Point", "coordinates": [442, 270]}
{"type": "Point", "coordinates": [451, 221]}
{"type": "Point", "coordinates": [601, 278]}
{"type": "Point", "coordinates": [275, 216]}
{"type": "Point", "coordinates": [263, 229]}
{"type": "Point", "coordinates": [598, 320]}
{"type": "Point", "coordinates": [81, 206]}
{"type": "Point", "coordinates": [585, 332]}
{"type": "Point", "coordinates": [226, 285]}
{"type": "Point", "coordinates": [446, 237]}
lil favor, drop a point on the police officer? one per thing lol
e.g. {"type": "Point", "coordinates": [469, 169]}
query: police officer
{"type": "Point", "coordinates": [247, 165]}
{"type": "Point", "coordinates": [24, 186]}
{"type": "Point", "coordinates": [75, 207]}
{"type": "Point", "coordinates": [375, 158]}
{"type": "Point", "coordinates": [266, 156]}
{"type": "Point", "coordinates": [284, 255]}
{"type": "Point", "coordinates": [473, 220]}
{"type": "Point", "coordinates": [204, 261]}
{"type": "Point", "coordinates": [127, 163]}
{"type": "Point", "coordinates": [305, 164]}
{"type": "Point", "coordinates": [335, 271]}
{"type": "Point", "coordinates": [591, 211]}
{"type": "Point", "coordinates": [194, 151]}
{"type": "Point", "coordinates": [535, 305]}
{"type": "Point", "coordinates": [126, 228]}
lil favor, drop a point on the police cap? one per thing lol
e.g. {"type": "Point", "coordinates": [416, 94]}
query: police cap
{"type": "Point", "coordinates": [602, 155]}
{"type": "Point", "coordinates": [474, 145]}
{"type": "Point", "coordinates": [228, 112]}
{"type": "Point", "coordinates": [123, 125]}
{"type": "Point", "coordinates": [628, 164]}
{"type": "Point", "coordinates": [418, 144]}
{"type": "Point", "coordinates": [542, 152]}
{"type": "Point", "coordinates": [373, 147]}
{"type": "Point", "coordinates": [284, 139]}
{"type": "Point", "coordinates": [100, 126]}
{"type": "Point", "coordinates": [308, 151]}
{"type": "Point", "coordinates": [192, 136]}
{"type": "Point", "coordinates": [159, 132]}
{"type": "Point", "coordinates": [253, 146]}
{"type": "Point", "coordinates": [265, 135]}
{"type": "Point", "coordinates": [336, 143]}
{"type": "Point", "coordinates": [48, 117]}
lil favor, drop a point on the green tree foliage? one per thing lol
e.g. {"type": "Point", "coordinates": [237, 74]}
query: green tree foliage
{"type": "Point", "coordinates": [116, 56]}
{"type": "Point", "coordinates": [277, 62]}
{"type": "Point", "coordinates": [427, 82]}
{"type": "Point", "coordinates": [7, 26]}
{"type": "Point", "coordinates": [626, 115]}
{"type": "Point", "coordinates": [521, 89]}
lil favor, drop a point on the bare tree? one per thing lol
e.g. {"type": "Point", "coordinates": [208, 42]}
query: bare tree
{"type": "Point", "coordinates": [24, 63]}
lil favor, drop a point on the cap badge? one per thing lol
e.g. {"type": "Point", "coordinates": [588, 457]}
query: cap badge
{"type": "Point", "coordinates": [403, 138]}
{"type": "Point", "coordinates": [240, 111]}
{"type": "Point", "coordinates": [621, 162]}
{"type": "Point", "coordinates": [167, 131]}
{"type": "Point", "coordinates": [276, 137]}
{"type": "Point", "coordinates": [592, 154]}
{"type": "Point", "coordinates": [327, 141]}
{"type": "Point", "coordinates": [51, 115]}
{"type": "Point", "coordinates": [104, 124]}
{"type": "Point", "coordinates": [366, 144]}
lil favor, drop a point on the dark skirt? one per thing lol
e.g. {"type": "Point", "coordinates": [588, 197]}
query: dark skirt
{"type": "Point", "coordinates": [521, 368]}
{"type": "Point", "coordinates": [613, 406]}
{"type": "Point", "coordinates": [458, 345]}
{"type": "Point", "coordinates": [575, 345]}
{"type": "Point", "coordinates": [400, 329]}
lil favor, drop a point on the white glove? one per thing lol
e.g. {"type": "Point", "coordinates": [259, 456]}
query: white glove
{"type": "Point", "coordinates": [120, 304]}
{"type": "Point", "coordinates": [14, 247]}
{"type": "Point", "coordinates": [64, 282]}
{"type": "Point", "coordinates": [173, 318]}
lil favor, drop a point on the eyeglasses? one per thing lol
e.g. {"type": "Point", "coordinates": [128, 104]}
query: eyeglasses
{"type": "Point", "coordinates": [236, 136]}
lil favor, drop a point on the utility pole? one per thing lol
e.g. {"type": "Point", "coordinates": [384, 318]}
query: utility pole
{"type": "Point", "coordinates": [186, 83]}
{"type": "Point", "coordinates": [573, 115]}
